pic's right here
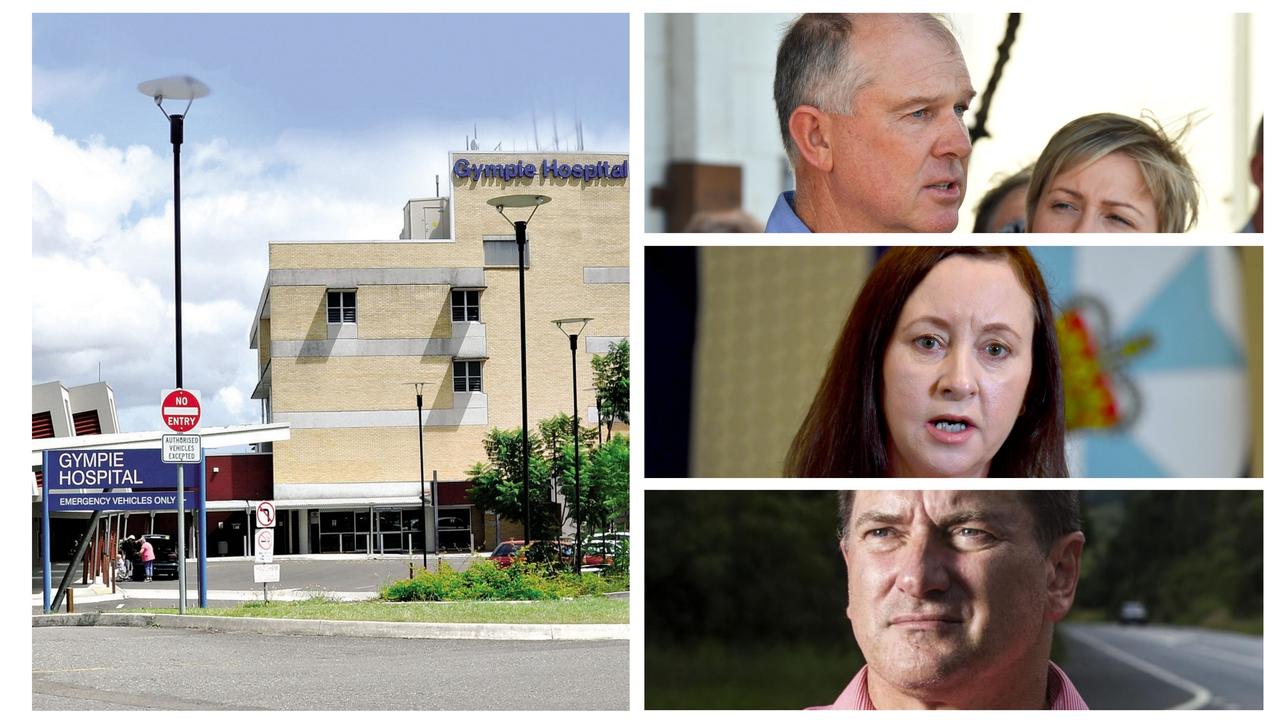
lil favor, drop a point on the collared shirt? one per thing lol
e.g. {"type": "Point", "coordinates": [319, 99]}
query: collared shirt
{"type": "Point", "coordinates": [783, 219]}
{"type": "Point", "coordinates": [1062, 694]}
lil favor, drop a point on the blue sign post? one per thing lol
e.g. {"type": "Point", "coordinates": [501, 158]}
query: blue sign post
{"type": "Point", "coordinates": [117, 480]}
{"type": "Point", "coordinates": [203, 551]}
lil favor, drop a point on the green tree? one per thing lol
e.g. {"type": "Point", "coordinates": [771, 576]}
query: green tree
{"type": "Point", "coordinates": [613, 385]}
{"type": "Point", "coordinates": [555, 439]}
{"type": "Point", "coordinates": [497, 484]}
{"type": "Point", "coordinates": [606, 485]}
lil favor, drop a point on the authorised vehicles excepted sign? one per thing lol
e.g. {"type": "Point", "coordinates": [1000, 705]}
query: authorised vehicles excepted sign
{"type": "Point", "coordinates": [180, 449]}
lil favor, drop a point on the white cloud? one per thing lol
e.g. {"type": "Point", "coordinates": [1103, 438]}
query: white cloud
{"type": "Point", "coordinates": [232, 399]}
{"type": "Point", "coordinates": [102, 247]}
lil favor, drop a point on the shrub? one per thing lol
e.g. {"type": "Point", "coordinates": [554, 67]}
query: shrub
{"type": "Point", "coordinates": [481, 581]}
{"type": "Point", "coordinates": [487, 581]}
{"type": "Point", "coordinates": [621, 560]}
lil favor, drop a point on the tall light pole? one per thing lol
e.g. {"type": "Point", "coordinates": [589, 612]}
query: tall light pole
{"type": "Point", "coordinates": [177, 87]}
{"type": "Point", "coordinates": [577, 325]}
{"type": "Point", "coordinates": [422, 472]}
{"type": "Point", "coordinates": [522, 201]}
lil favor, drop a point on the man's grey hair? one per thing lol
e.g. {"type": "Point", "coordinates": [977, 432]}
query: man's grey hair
{"type": "Point", "coordinates": [817, 66]}
{"type": "Point", "coordinates": [1055, 513]}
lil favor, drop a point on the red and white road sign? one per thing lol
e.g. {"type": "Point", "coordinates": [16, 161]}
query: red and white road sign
{"type": "Point", "coordinates": [180, 410]}
{"type": "Point", "coordinates": [264, 544]}
{"type": "Point", "coordinates": [266, 514]}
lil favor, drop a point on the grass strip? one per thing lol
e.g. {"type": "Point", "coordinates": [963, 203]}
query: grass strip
{"type": "Point", "coordinates": [583, 610]}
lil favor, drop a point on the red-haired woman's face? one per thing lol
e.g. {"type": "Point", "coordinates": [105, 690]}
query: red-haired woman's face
{"type": "Point", "coordinates": [957, 367]}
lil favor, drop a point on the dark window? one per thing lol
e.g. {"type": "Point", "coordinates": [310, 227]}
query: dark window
{"type": "Point", "coordinates": [87, 423]}
{"type": "Point", "coordinates": [342, 306]}
{"type": "Point", "coordinates": [501, 251]}
{"type": "Point", "coordinates": [466, 376]}
{"type": "Point", "coordinates": [466, 305]}
{"type": "Point", "coordinates": [41, 425]}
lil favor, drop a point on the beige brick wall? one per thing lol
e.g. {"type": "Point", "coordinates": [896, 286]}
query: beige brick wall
{"type": "Point", "coordinates": [403, 311]}
{"type": "Point", "coordinates": [359, 383]}
{"type": "Point", "coordinates": [299, 312]}
{"type": "Point", "coordinates": [583, 226]}
{"type": "Point", "coordinates": [416, 253]}
{"type": "Point", "coordinates": [351, 455]}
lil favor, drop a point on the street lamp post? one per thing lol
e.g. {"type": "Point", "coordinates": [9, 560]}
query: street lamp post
{"type": "Point", "coordinates": [577, 325]}
{"type": "Point", "coordinates": [422, 474]}
{"type": "Point", "coordinates": [521, 201]}
{"type": "Point", "coordinates": [177, 87]}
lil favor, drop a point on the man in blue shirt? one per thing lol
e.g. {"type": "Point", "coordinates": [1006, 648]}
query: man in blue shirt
{"type": "Point", "coordinates": [871, 109]}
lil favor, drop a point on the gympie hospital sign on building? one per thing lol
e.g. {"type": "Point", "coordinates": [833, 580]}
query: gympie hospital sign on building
{"type": "Point", "coordinates": [601, 169]}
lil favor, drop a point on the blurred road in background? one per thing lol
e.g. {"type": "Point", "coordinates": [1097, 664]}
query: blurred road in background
{"type": "Point", "coordinates": [1162, 667]}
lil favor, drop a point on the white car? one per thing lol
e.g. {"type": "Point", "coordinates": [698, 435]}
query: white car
{"type": "Point", "coordinates": [1133, 612]}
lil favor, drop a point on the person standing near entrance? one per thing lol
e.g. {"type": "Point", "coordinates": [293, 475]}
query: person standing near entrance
{"type": "Point", "coordinates": [148, 555]}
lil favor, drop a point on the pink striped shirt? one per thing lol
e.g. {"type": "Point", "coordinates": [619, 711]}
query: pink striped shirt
{"type": "Point", "coordinates": [1062, 694]}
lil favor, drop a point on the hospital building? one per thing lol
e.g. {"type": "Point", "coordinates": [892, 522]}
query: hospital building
{"type": "Point", "coordinates": [346, 329]}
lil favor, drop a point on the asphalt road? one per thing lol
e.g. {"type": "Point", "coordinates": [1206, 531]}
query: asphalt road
{"type": "Point", "coordinates": [1160, 667]}
{"type": "Point", "coordinates": [110, 668]}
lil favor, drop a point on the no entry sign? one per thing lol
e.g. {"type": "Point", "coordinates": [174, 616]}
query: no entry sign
{"type": "Point", "coordinates": [180, 410]}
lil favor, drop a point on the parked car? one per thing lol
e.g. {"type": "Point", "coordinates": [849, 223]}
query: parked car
{"type": "Point", "coordinates": [559, 551]}
{"type": "Point", "coordinates": [612, 537]}
{"type": "Point", "coordinates": [506, 552]}
{"type": "Point", "coordinates": [1133, 612]}
{"type": "Point", "coordinates": [166, 562]}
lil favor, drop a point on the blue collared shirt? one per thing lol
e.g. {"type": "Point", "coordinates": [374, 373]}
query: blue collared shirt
{"type": "Point", "coordinates": [783, 219]}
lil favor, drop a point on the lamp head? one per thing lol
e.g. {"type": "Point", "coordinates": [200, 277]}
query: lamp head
{"type": "Point", "coordinates": [575, 325]}
{"type": "Point", "coordinates": [174, 87]}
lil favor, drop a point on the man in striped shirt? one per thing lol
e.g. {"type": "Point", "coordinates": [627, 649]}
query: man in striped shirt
{"type": "Point", "coordinates": [953, 596]}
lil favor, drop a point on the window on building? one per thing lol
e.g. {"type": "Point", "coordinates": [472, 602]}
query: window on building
{"type": "Point", "coordinates": [501, 251]}
{"type": "Point", "coordinates": [87, 423]}
{"type": "Point", "coordinates": [466, 376]}
{"type": "Point", "coordinates": [342, 306]}
{"type": "Point", "coordinates": [466, 305]}
{"type": "Point", "coordinates": [41, 425]}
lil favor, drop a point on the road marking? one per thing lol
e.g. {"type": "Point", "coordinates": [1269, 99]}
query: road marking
{"type": "Point", "coordinates": [1200, 695]}
{"type": "Point", "coordinates": [1249, 661]}
{"type": "Point", "coordinates": [1189, 641]}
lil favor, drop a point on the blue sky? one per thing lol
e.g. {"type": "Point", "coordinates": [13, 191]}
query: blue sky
{"type": "Point", "coordinates": [276, 73]}
{"type": "Point", "coordinates": [319, 127]}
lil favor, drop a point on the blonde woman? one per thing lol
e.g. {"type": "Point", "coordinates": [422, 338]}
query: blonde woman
{"type": "Point", "coordinates": [1112, 173]}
